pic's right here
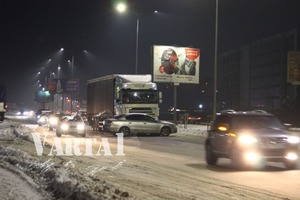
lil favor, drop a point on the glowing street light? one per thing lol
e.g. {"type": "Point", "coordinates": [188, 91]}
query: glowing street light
{"type": "Point", "coordinates": [121, 7]}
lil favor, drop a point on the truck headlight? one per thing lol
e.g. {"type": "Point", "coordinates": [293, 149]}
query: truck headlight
{"type": "Point", "coordinates": [247, 139]}
{"type": "Point", "coordinates": [80, 127]}
{"type": "Point", "coordinates": [291, 156]}
{"type": "Point", "coordinates": [293, 139]}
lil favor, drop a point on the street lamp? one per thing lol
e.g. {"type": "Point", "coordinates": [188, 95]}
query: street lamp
{"type": "Point", "coordinates": [215, 64]}
{"type": "Point", "coordinates": [121, 8]}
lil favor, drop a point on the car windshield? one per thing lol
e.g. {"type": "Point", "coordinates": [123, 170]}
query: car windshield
{"type": "Point", "coordinates": [139, 96]}
{"type": "Point", "coordinates": [256, 122]}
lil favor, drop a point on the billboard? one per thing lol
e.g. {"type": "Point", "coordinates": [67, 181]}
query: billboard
{"type": "Point", "coordinates": [42, 96]}
{"type": "Point", "coordinates": [58, 86]}
{"type": "Point", "coordinates": [176, 64]}
{"type": "Point", "coordinates": [293, 67]}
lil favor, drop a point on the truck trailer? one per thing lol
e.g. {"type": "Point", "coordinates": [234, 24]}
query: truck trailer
{"type": "Point", "coordinates": [120, 94]}
{"type": "Point", "coordinates": [2, 102]}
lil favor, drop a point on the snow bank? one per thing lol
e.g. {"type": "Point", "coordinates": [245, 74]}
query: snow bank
{"type": "Point", "coordinates": [51, 179]}
{"type": "Point", "coordinates": [192, 129]}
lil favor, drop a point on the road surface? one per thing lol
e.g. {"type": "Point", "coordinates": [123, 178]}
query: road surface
{"type": "Point", "coordinates": [153, 167]}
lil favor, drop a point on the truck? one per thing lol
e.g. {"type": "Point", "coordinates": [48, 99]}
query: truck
{"type": "Point", "coordinates": [120, 94]}
{"type": "Point", "coordinates": [2, 102]}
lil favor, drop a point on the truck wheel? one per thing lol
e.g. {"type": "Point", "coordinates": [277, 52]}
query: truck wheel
{"type": "Point", "coordinates": [290, 165]}
{"type": "Point", "coordinates": [165, 131]}
{"type": "Point", "coordinates": [125, 130]}
{"type": "Point", "coordinates": [211, 158]}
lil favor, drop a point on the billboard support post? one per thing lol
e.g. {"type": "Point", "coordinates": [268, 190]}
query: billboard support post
{"type": "Point", "coordinates": [175, 102]}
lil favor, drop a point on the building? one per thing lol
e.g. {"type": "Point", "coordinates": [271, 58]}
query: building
{"type": "Point", "coordinates": [255, 76]}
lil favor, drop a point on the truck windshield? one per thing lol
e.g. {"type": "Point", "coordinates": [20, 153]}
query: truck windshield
{"type": "Point", "coordinates": [139, 96]}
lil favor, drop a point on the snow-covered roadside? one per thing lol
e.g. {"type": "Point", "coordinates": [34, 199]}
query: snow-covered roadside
{"type": "Point", "coordinates": [49, 180]}
{"type": "Point", "coordinates": [192, 129]}
{"type": "Point", "coordinates": [28, 177]}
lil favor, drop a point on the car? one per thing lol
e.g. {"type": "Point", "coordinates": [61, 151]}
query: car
{"type": "Point", "coordinates": [250, 139]}
{"type": "Point", "coordinates": [71, 125]}
{"type": "Point", "coordinates": [43, 118]}
{"type": "Point", "coordinates": [135, 123]}
{"type": "Point", "coordinates": [55, 118]}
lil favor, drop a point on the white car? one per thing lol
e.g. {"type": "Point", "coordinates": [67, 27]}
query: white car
{"type": "Point", "coordinates": [71, 126]}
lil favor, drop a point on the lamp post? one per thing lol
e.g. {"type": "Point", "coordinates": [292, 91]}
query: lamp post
{"type": "Point", "coordinates": [215, 64]}
{"type": "Point", "coordinates": [121, 8]}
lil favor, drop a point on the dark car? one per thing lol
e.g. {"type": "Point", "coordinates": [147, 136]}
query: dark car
{"type": "Point", "coordinates": [134, 123]}
{"type": "Point", "coordinates": [250, 139]}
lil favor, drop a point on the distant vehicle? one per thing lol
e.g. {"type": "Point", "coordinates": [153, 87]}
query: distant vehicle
{"type": "Point", "coordinates": [121, 94]}
{"type": "Point", "coordinates": [55, 118]}
{"type": "Point", "coordinates": [43, 118]}
{"type": "Point", "coordinates": [250, 139]}
{"type": "Point", "coordinates": [41, 112]}
{"type": "Point", "coordinates": [2, 102]}
{"type": "Point", "coordinates": [71, 126]}
{"type": "Point", "coordinates": [135, 123]}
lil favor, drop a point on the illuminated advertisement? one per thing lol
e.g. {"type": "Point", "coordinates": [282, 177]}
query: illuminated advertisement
{"type": "Point", "coordinates": [293, 67]}
{"type": "Point", "coordinates": [176, 64]}
{"type": "Point", "coordinates": [58, 86]}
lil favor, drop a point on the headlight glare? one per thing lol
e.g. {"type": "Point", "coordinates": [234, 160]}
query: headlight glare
{"type": "Point", "coordinates": [247, 139]}
{"type": "Point", "coordinates": [291, 156]}
{"type": "Point", "coordinates": [53, 120]}
{"type": "Point", "coordinates": [293, 139]}
{"type": "Point", "coordinates": [80, 127]}
{"type": "Point", "coordinates": [64, 127]}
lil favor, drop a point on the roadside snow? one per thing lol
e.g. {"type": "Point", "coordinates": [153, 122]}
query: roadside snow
{"type": "Point", "coordinates": [25, 177]}
{"type": "Point", "coordinates": [192, 129]}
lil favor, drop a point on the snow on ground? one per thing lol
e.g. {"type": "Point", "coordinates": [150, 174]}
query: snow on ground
{"type": "Point", "coordinates": [26, 177]}
{"type": "Point", "coordinates": [18, 168]}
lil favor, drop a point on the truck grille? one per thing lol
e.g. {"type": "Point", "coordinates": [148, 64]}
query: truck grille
{"type": "Point", "coordinates": [141, 110]}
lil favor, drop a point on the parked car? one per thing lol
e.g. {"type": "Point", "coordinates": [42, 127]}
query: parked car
{"type": "Point", "coordinates": [55, 118]}
{"type": "Point", "coordinates": [135, 123]}
{"type": "Point", "coordinates": [250, 139]}
{"type": "Point", "coordinates": [71, 126]}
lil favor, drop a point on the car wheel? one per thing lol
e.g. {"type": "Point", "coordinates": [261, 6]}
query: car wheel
{"type": "Point", "coordinates": [290, 165]}
{"type": "Point", "coordinates": [211, 158]}
{"type": "Point", "coordinates": [125, 130]}
{"type": "Point", "coordinates": [83, 135]}
{"type": "Point", "coordinates": [165, 131]}
{"type": "Point", "coordinates": [58, 134]}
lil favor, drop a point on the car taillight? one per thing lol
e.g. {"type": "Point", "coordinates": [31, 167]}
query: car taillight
{"type": "Point", "coordinates": [108, 122]}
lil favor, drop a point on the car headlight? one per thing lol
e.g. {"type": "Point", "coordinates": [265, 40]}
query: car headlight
{"type": "Point", "coordinates": [80, 127]}
{"type": "Point", "coordinates": [293, 139]}
{"type": "Point", "coordinates": [53, 120]}
{"type": "Point", "coordinates": [247, 139]}
{"type": "Point", "coordinates": [64, 127]}
{"type": "Point", "coordinates": [42, 119]}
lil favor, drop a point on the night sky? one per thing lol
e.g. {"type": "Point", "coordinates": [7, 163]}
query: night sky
{"type": "Point", "coordinates": [32, 31]}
